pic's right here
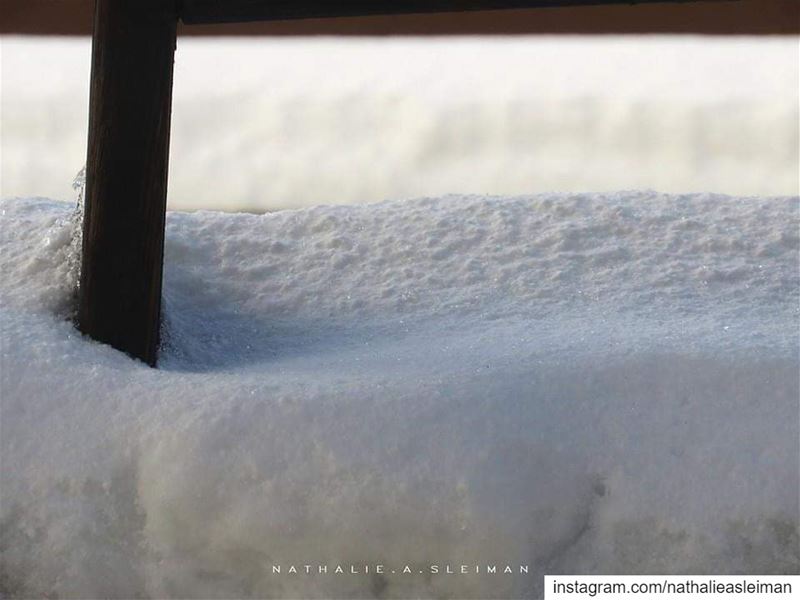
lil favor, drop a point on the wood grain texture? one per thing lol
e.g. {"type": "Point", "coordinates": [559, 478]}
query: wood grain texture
{"type": "Point", "coordinates": [126, 174]}
{"type": "Point", "coordinates": [233, 11]}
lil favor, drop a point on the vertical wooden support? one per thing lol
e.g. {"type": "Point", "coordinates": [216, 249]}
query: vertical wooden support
{"type": "Point", "coordinates": [126, 174]}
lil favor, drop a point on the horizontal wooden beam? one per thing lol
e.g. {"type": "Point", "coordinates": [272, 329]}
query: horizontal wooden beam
{"type": "Point", "coordinates": [745, 17]}
{"type": "Point", "coordinates": [237, 11]}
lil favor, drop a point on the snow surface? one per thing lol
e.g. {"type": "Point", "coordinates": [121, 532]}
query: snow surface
{"type": "Point", "coordinates": [285, 123]}
{"type": "Point", "coordinates": [581, 383]}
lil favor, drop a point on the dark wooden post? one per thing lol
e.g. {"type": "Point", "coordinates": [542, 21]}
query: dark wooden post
{"type": "Point", "coordinates": [126, 174]}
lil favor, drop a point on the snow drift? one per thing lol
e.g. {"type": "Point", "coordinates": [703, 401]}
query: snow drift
{"type": "Point", "coordinates": [577, 383]}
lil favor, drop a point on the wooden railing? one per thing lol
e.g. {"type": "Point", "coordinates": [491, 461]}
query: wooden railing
{"type": "Point", "coordinates": [230, 11]}
{"type": "Point", "coordinates": [119, 299]}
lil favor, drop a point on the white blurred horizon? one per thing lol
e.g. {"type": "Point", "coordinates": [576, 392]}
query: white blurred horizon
{"type": "Point", "coordinates": [265, 124]}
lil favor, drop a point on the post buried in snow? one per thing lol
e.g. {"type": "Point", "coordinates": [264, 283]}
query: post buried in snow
{"type": "Point", "coordinates": [119, 300]}
{"type": "Point", "coordinates": [126, 174]}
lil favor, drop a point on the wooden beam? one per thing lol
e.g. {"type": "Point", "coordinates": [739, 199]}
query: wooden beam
{"type": "Point", "coordinates": [126, 174]}
{"type": "Point", "coordinates": [235, 11]}
{"type": "Point", "coordinates": [745, 17]}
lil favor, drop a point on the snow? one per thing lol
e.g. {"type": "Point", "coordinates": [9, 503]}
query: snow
{"type": "Point", "coordinates": [286, 123]}
{"type": "Point", "coordinates": [602, 383]}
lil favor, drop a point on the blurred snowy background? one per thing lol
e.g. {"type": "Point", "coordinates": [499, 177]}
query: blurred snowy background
{"type": "Point", "coordinates": [265, 124]}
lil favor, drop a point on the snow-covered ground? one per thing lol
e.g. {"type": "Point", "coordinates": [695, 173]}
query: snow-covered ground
{"type": "Point", "coordinates": [578, 383]}
{"type": "Point", "coordinates": [263, 124]}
